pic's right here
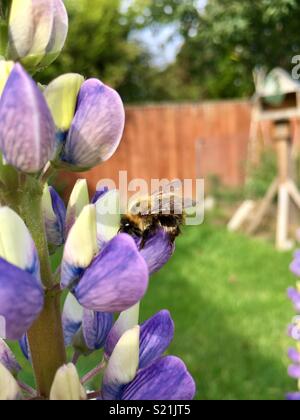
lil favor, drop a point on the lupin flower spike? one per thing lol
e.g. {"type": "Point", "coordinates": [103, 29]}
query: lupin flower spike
{"type": "Point", "coordinates": [27, 131]}
{"type": "Point", "coordinates": [74, 124]}
{"type": "Point", "coordinates": [9, 389]}
{"type": "Point", "coordinates": [67, 386]}
{"type": "Point", "coordinates": [37, 31]}
{"type": "Point", "coordinates": [294, 330]}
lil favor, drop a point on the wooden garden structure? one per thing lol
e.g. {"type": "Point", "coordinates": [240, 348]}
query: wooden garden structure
{"type": "Point", "coordinates": [277, 100]}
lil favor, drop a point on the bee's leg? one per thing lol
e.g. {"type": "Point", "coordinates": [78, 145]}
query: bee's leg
{"type": "Point", "coordinates": [145, 237]}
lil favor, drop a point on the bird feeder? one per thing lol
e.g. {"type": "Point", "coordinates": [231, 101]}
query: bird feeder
{"type": "Point", "coordinates": [277, 99]}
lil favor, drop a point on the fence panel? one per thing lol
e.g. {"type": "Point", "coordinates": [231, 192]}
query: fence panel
{"type": "Point", "coordinates": [184, 141]}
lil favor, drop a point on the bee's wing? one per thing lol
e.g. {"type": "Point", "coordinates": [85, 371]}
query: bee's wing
{"type": "Point", "coordinates": [141, 205]}
{"type": "Point", "coordinates": [170, 200]}
{"type": "Point", "coordinates": [173, 187]}
{"type": "Point", "coordinates": [171, 204]}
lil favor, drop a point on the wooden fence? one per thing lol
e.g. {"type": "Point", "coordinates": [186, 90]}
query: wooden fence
{"type": "Point", "coordinates": [181, 141]}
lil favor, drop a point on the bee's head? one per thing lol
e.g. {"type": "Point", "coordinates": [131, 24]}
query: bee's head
{"type": "Point", "coordinates": [130, 227]}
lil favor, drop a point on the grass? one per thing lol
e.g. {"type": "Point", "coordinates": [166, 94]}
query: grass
{"type": "Point", "coordinates": [227, 295]}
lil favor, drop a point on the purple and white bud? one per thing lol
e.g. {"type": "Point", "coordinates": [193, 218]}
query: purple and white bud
{"type": "Point", "coordinates": [37, 31]}
{"type": "Point", "coordinates": [27, 131]}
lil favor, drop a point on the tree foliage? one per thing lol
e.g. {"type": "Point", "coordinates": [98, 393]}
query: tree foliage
{"type": "Point", "coordinates": [97, 43]}
{"type": "Point", "coordinates": [232, 37]}
{"type": "Point", "coordinates": [222, 43]}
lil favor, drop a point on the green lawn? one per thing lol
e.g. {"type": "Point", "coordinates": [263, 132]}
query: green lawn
{"type": "Point", "coordinates": [227, 295]}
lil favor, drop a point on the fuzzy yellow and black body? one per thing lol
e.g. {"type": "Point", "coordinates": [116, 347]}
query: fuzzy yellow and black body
{"type": "Point", "coordinates": [164, 209]}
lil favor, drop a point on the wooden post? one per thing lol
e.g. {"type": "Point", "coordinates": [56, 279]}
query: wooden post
{"type": "Point", "coordinates": [282, 137]}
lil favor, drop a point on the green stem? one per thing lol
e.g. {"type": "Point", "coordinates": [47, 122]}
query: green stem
{"type": "Point", "coordinates": [3, 37]}
{"type": "Point", "coordinates": [4, 12]}
{"type": "Point", "coordinates": [96, 371]}
{"type": "Point", "coordinates": [46, 335]}
{"type": "Point", "coordinates": [31, 213]}
{"type": "Point", "coordinates": [47, 344]}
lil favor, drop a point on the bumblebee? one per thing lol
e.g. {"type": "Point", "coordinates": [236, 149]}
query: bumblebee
{"type": "Point", "coordinates": [164, 209]}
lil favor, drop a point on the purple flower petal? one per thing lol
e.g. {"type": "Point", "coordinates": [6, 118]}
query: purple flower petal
{"type": "Point", "coordinates": [294, 371]}
{"type": "Point", "coordinates": [71, 318]}
{"type": "Point", "coordinates": [294, 296]}
{"type": "Point", "coordinates": [294, 329]}
{"type": "Point", "coordinates": [293, 293]}
{"type": "Point", "coordinates": [59, 209]}
{"type": "Point", "coordinates": [24, 346]}
{"type": "Point", "coordinates": [156, 335]}
{"type": "Point", "coordinates": [295, 266]}
{"type": "Point", "coordinates": [297, 254]}
{"type": "Point", "coordinates": [294, 355]}
{"type": "Point", "coordinates": [157, 250]}
{"type": "Point", "coordinates": [97, 127]}
{"type": "Point", "coordinates": [55, 216]}
{"type": "Point", "coordinates": [8, 359]}
{"type": "Point", "coordinates": [116, 279]}
{"type": "Point", "coordinates": [98, 194]}
{"type": "Point", "coordinates": [293, 396]}
{"type": "Point", "coordinates": [21, 300]}
{"type": "Point", "coordinates": [27, 131]}
{"type": "Point", "coordinates": [166, 379]}
{"type": "Point", "coordinates": [95, 328]}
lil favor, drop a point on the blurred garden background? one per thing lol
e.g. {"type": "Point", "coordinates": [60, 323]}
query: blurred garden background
{"type": "Point", "coordinates": [184, 69]}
